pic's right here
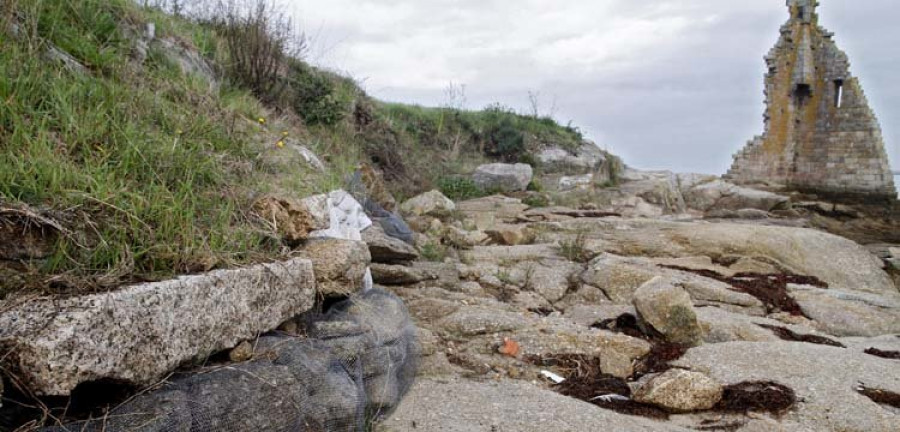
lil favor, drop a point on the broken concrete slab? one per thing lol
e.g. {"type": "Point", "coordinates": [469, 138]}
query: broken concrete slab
{"type": "Point", "coordinates": [140, 333]}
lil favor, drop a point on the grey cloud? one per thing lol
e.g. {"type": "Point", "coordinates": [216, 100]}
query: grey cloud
{"type": "Point", "coordinates": [673, 84]}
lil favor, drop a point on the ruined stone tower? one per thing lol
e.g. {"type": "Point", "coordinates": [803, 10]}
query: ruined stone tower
{"type": "Point", "coordinates": [820, 135]}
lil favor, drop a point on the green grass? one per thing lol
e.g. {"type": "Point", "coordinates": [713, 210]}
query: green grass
{"type": "Point", "coordinates": [433, 252]}
{"type": "Point", "coordinates": [153, 169]}
{"type": "Point", "coordinates": [536, 201]}
{"type": "Point", "coordinates": [575, 249]}
{"type": "Point", "coordinates": [441, 126]}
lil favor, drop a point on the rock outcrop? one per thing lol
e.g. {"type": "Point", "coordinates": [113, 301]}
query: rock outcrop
{"type": "Point", "coordinates": [385, 249]}
{"type": "Point", "coordinates": [460, 405]}
{"type": "Point", "coordinates": [339, 265]}
{"type": "Point", "coordinates": [825, 378]}
{"type": "Point", "coordinates": [679, 390]}
{"type": "Point", "coordinates": [503, 177]}
{"type": "Point", "coordinates": [294, 219]}
{"type": "Point", "coordinates": [668, 310]}
{"type": "Point", "coordinates": [609, 303]}
{"type": "Point", "coordinates": [432, 203]}
{"type": "Point", "coordinates": [720, 195]}
{"type": "Point", "coordinates": [358, 362]}
{"type": "Point", "coordinates": [821, 135]}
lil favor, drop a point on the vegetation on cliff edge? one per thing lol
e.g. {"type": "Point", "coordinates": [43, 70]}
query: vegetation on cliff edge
{"type": "Point", "coordinates": [141, 171]}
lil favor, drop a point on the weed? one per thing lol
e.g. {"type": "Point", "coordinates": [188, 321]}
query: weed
{"type": "Point", "coordinates": [616, 169]}
{"type": "Point", "coordinates": [607, 184]}
{"type": "Point", "coordinates": [433, 252]}
{"type": "Point", "coordinates": [155, 172]}
{"type": "Point", "coordinates": [536, 201]}
{"type": "Point", "coordinates": [535, 185]}
{"type": "Point", "coordinates": [459, 188]}
{"type": "Point", "coordinates": [504, 276]}
{"type": "Point", "coordinates": [574, 250]}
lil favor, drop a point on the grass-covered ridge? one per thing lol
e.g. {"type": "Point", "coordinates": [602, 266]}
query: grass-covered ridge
{"type": "Point", "coordinates": [150, 172]}
{"type": "Point", "coordinates": [149, 167]}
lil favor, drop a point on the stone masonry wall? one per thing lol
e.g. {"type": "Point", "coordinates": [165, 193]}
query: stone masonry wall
{"type": "Point", "coordinates": [821, 135]}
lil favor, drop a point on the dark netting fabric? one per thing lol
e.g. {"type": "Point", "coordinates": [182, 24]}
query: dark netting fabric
{"type": "Point", "coordinates": [358, 362]}
{"type": "Point", "coordinates": [392, 224]}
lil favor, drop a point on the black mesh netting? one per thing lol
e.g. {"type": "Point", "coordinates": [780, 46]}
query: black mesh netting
{"type": "Point", "coordinates": [392, 223]}
{"type": "Point", "coordinates": [359, 360]}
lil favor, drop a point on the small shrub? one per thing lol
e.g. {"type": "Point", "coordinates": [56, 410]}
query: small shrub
{"type": "Point", "coordinates": [506, 141]}
{"type": "Point", "coordinates": [574, 250]}
{"type": "Point", "coordinates": [530, 159]}
{"type": "Point", "coordinates": [536, 201]}
{"type": "Point", "coordinates": [535, 186]}
{"type": "Point", "coordinates": [459, 188]}
{"type": "Point", "coordinates": [433, 252]}
{"type": "Point", "coordinates": [504, 276]}
{"type": "Point", "coordinates": [616, 168]}
{"type": "Point", "coordinates": [259, 39]}
{"type": "Point", "coordinates": [606, 185]}
{"type": "Point", "coordinates": [315, 97]}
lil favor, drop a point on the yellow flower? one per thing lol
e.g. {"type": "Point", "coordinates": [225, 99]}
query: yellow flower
{"type": "Point", "coordinates": [262, 121]}
{"type": "Point", "coordinates": [284, 134]}
{"type": "Point", "coordinates": [280, 144]}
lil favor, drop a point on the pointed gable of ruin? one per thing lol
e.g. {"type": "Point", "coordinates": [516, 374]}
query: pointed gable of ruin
{"type": "Point", "coordinates": [820, 133]}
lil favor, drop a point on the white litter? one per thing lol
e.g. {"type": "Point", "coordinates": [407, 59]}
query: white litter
{"type": "Point", "coordinates": [368, 282]}
{"type": "Point", "coordinates": [552, 377]}
{"type": "Point", "coordinates": [347, 221]}
{"type": "Point", "coordinates": [611, 397]}
{"type": "Point", "coordinates": [347, 218]}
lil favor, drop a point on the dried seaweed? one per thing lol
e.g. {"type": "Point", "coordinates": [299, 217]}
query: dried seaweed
{"type": "Point", "coordinates": [771, 289]}
{"type": "Point", "coordinates": [587, 382]}
{"type": "Point", "coordinates": [893, 355]}
{"type": "Point", "coordinates": [879, 396]}
{"type": "Point", "coordinates": [658, 359]}
{"type": "Point", "coordinates": [626, 324]}
{"type": "Point", "coordinates": [788, 335]}
{"type": "Point", "coordinates": [714, 425]}
{"type": "Point", "coordinates": [661, 352]}
{"type": "Point", "coordinates": [757, 396]}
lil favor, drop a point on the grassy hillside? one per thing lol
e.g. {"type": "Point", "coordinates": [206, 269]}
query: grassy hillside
{"type": "Point", "coordinates": [130, 169]}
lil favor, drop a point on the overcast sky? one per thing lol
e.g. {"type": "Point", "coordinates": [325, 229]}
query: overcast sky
{"type": "Point", "coordinates": [667, 84]}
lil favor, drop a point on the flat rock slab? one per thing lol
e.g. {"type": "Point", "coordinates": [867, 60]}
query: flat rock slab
{"type": "Point", "coordinates": [848, 313]}
{"type": "Point", "coordinates": [385, 249]}
{"type": "Point", "coordinates": [840, 262]}
{"type": "Point", "coordinates": [140, 333]}
{"type": "Point", "coordinates": [457, 405]}
{"type": "Point", "coordinates": [824, 378]}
